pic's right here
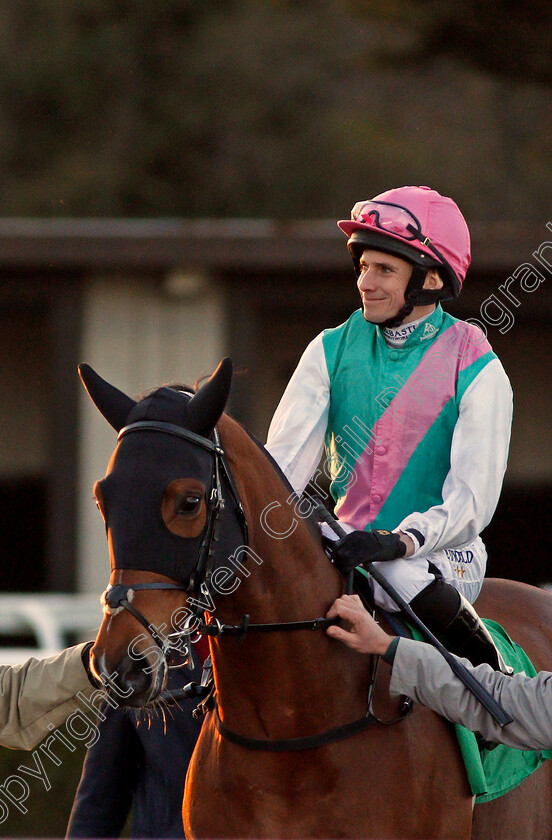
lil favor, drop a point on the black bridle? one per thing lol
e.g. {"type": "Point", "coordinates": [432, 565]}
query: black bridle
{"type": "Point", "coordinates": [118, 596]}
{"type": "Point", "coordinates": [121, 595]}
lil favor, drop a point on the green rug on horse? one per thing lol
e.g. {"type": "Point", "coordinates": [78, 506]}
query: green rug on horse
{"type": "Point", "coordinates": [494, 772]}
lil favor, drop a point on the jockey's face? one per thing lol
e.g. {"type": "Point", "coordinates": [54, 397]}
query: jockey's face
{"type": "Point", "coordinates": [382, 283]}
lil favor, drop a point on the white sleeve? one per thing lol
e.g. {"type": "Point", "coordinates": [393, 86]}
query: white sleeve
{"type": "Point", "coordinates": [479, 455]}
{"type": "Point", "coordinates": [296, 433]}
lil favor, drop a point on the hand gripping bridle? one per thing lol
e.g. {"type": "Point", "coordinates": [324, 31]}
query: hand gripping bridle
{"type": "Point", "coordinates": [120, 596]}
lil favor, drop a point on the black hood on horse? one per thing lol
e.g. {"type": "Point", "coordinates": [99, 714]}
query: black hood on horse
{"type": "Point", "coordinates": [168, 436]}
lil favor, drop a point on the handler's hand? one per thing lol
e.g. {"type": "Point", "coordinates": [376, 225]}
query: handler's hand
{"type": "Point", "coordinates": [364, 635]}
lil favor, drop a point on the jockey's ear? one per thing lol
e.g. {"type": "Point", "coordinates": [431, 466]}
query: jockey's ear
{"type": "Point", "coordinates": [433, 280]}
{"type": "Point", "coordinates": [112, 403]}
{"type": "Point", "coordinates": [206, 407]}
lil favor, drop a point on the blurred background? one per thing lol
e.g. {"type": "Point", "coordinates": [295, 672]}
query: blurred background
{"type": "Point", "coordinates": [171, 175]}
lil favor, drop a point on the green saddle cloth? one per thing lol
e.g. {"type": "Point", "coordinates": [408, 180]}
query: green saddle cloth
{"type": "Point", "coordinates": [494, 772]}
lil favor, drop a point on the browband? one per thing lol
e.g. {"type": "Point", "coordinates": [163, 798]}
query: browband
{"type": "Point", "coordinates": [170, 429]}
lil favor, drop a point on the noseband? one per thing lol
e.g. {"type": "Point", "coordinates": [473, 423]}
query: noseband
{"type": "Point", "coordinates": [119, 596]}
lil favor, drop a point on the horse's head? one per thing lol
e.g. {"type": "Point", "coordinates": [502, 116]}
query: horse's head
{"type": "Point", "coordinates": [162, 500]}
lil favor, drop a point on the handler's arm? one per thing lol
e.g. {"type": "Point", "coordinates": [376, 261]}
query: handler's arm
{"type": "Point", "coordinates": [420, 672]}
{"type": "Point", "coordinates": [38, 693]}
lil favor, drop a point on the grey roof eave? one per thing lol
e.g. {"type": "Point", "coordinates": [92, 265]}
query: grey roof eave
{"type": "Point", "coordinates": [87, 243]}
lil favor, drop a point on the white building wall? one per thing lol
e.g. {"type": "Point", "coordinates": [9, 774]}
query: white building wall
{"type": "Point", "coordinates": [137, 338]}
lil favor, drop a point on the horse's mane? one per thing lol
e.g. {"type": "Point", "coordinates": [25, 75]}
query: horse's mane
{"type": "Point", "coordinates": [228, 427]}
{"type": "Point", "coordinates": [311, 519]}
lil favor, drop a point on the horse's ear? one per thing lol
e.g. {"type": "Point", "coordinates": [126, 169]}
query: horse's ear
{"type": "Point", "coordinates": [112, 403]}
{"type": "Point", "coordinates": [206, 407]}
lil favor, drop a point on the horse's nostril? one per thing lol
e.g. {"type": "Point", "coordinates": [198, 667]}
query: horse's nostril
{"type": "Point", "coordinates": [131, 675]}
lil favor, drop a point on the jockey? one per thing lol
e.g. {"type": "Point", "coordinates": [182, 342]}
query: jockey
{"type": "Point", "coordinates": [414, 411]}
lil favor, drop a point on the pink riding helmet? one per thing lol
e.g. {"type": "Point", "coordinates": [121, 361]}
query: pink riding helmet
{"type": "Point", "coordinates": [441, 236]}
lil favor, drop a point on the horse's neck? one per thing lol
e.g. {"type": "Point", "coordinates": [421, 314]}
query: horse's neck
{"type": "Point", "coordinates": [287, 579]}
{"type": "Point", "coordinates": [287, 569]}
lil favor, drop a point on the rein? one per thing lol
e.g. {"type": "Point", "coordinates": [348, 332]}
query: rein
{"type": "Point", "coordinates": [120, 596]}
{"type": "Point", "coordinates": [217, 629]}
{"type": "Point", "coordinates": [320, 739]}
{"type": "Point", "coordinates": [308, 742]}
{"type": "Point", "coordinates": [117, 596]}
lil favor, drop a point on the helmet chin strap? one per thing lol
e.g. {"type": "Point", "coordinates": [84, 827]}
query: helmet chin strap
{"type": "Point", "coordinates": [415, 295]}
{"type": "Point", "coordinates": [397, 319]}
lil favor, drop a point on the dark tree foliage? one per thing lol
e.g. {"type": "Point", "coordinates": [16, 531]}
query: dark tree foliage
{"type": "Point", "coordinates": [160, 106]}
{"type": "Point", "coordinates": [509, 39]}
{"type": "Point", "coordinates": [271, 108]}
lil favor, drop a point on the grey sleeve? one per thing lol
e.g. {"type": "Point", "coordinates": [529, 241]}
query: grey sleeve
{"type": "Point", "coordinates": [420, 672]}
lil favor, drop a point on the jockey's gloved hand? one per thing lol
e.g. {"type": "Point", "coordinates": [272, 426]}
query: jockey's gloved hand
{"type": "Point", "coordinates": [360, 547]}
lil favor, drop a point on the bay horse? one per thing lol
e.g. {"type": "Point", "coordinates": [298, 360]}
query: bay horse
{"type": "Point", "coordinates": [202, 529]}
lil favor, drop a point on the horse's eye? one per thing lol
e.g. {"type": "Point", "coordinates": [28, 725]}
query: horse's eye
{"type": "Point", "coordinates": [188, 505]}
{"type": "Point", "coordinates": [183, 507]}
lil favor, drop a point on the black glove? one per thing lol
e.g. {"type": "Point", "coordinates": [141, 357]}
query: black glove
{"type": "Point", "coordinates": [360, 547]}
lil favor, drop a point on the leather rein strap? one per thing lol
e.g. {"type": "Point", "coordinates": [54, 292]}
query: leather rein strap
{"type": "Point", "coordinates": [217, 629]}
{"type": "Point", "coordinates": [120, 596]}
{"type": "Point", "coordinates": [308, 742]}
